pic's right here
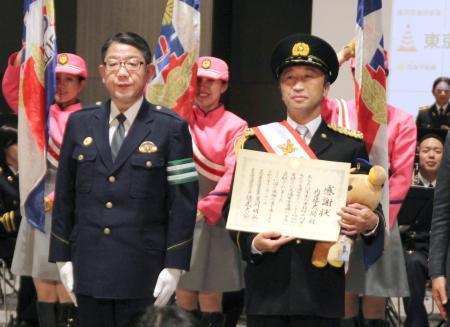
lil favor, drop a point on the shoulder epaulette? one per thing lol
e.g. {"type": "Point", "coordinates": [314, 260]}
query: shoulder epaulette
{"type": "Point", "coordinates": [91, 106]}
{"type": "Point", "coordinates": [342, 130]}
{"type": "Point", "coordinates": [240, 141]}
{"type": "Point", "coordinates": [424, 107]}
{"type": "Point", "coordinates": [168, 112]}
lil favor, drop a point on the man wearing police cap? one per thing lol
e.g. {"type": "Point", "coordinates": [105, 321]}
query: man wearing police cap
{"type": "Point", "coordinates": [283, 287]}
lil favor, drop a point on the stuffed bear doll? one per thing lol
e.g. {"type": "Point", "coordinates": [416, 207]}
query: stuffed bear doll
{"type": "Point", "coordinates": [362, 189]}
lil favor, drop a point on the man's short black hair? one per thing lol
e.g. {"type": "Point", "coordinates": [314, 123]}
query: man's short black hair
{"type": "Point", "coordinates": [440, 79]}
{"type": "Point", "coordinates": [132, 39]}
{"type": "Point", "coordinates": [8, 137]}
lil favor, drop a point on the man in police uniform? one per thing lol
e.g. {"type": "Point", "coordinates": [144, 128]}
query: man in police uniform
{"type": "Point", "coordinates": [283, 287]}
{"type": "Point", "coordinates": [438, 114]}
{"type": "Point", "coordinates": [126, 195]}
{"type": "Point", "coordinates": [417, 209]}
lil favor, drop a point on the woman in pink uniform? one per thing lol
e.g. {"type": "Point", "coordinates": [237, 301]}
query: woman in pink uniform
{"type": "Point", "coordinates": [55, 306]}
{"type": "Point", "coordinates": [215, 264]}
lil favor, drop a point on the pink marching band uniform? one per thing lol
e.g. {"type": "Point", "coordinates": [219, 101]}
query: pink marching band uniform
{"type": "Point", "coordinates": [401, 146]}
{"type": "Point", "coordinates": [213, 135]}
{"type": "Point", "coordinates": [10, 83]}
{"type": "Point", "coordinates": [58, 117]}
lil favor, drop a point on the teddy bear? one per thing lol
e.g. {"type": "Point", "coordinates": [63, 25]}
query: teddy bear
{"type": "Point", "coordinates": [363, 189]}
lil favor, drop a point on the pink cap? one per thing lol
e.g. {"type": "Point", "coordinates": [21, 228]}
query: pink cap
{"type": "Point", "coordinates": [71, 64]}
{"type": "Point", "coordinates": [352, 61]}
{"type": "Point", "coordinates": [212, 67]}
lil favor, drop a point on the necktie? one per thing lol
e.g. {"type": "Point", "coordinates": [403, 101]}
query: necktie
{"type": "Point", "coordinates": [118, 136]}
{"type": "Point", "coordinates": [303, 131]}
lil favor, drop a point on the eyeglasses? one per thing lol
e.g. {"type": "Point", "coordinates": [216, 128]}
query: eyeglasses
{"type": "Point", "coordinates": [131, 65]}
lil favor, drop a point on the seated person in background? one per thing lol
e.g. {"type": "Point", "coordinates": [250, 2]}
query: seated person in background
{"type": "Point", "coordinates": [10, 217]}
{"type": "Point", "coordinates": [438, 114]}
{"type": "Point", "coordinates": [416, 236]}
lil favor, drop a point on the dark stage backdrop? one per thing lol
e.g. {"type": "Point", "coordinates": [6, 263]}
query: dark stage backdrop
{"type": "Point", "coordinates": [245, 32]}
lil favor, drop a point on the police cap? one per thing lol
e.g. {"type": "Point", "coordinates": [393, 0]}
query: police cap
{"type": "Point", "coordinates": [305, 49]}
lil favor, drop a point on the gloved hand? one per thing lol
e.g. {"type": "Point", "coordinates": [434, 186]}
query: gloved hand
{"type": "Point", "coordinates": [166, 285]}
{"type": "Point", "coordinates": [66, 275]}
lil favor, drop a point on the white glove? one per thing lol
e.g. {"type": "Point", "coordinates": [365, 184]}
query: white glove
{"type": "Point", "coordinates": [166, 285]}
{"type": "Point", "coordinates": [66, 275]}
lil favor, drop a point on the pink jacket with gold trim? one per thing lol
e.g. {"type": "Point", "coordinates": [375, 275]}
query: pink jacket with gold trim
{"type": "Point", "coordinates": [10, 83]}
{"type": "Point", "coordinates": [214, 134]}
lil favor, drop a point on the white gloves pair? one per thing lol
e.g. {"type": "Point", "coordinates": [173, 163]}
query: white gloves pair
{"type": "Point", "coordinates": [165, 285]}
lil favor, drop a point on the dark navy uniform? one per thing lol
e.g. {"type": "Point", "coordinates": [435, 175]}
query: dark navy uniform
{"type": "Point", "coordinates": [429, 117]}
{"type": "Point", "coordinates": [415, 240]}
{"type": "Point", "coordinates": [11, 218]}
{"type": "Point", "coordinates": [284, 288]}
{"type": "Point", "coordinates": [285, 283]}
{"type": "Point", "coordinates": [122, 222]}
{"type": "Point", "coordinates": [9, 212]}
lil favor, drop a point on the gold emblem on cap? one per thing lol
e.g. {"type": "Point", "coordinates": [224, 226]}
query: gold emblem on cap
{"type": "Point", "coordinates": [88, 141]}
{"type": "Point", "coordinates": [206, 64]}
{"type": "Point", "coordinates": [63, 59]}
{"type": "Point", "coordinates": [148, 147]}
{"type": "Point", "coordinates": [300, 49]}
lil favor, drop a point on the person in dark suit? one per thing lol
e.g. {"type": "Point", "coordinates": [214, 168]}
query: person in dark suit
{"type": "Point", "coordinates": [10, 217]}
{"type": "Point", "coordinates": [283, 288]}
{"type": "Point", "coordinates": [438, 114]}
{"type": "Point", "coordinates": [416, 235]}
{"type": "Point", "coordinates": [126, 195]}
{"type": "Point", "coordinates": [440, 234]}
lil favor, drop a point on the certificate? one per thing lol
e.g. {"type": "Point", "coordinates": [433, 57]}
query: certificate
{"type": "Point", "coordinates": [294, 196]}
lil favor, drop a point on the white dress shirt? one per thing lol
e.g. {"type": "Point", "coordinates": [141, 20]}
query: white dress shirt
{"type": "Point", "coordinates": [130, 114]}
{"type": "Point", "coordinates": [312, 126]}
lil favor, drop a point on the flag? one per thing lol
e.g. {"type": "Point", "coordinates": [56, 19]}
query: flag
{"type": "Point", "coordinates": [370, 79]}
{"type": "Point", "coordinates": [175, 57]}
{"type": "Point", "coordinates": [36, 94]}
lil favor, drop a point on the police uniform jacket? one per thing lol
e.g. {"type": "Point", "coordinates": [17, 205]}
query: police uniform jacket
{"type": "Point", "coordinates": [9, 211]}
{"type": "Point", "coordinates": [122, 222]}
{"type": "Point", "coordinates": [428, 117]}
{"type": "Point", "coordinates": [417, 236]}
{"type": "Point", "coordinates": [285, 282]}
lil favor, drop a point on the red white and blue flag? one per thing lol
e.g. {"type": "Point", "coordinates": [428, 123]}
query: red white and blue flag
{"type": "Point", "coordinates": [371, 84]}
{"type": "Point", "coordinates": [175, 57]}
{"type": "Point", "coordinates": [36, 94]}
{"type": "Point", "coordinates": [370, 98]}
